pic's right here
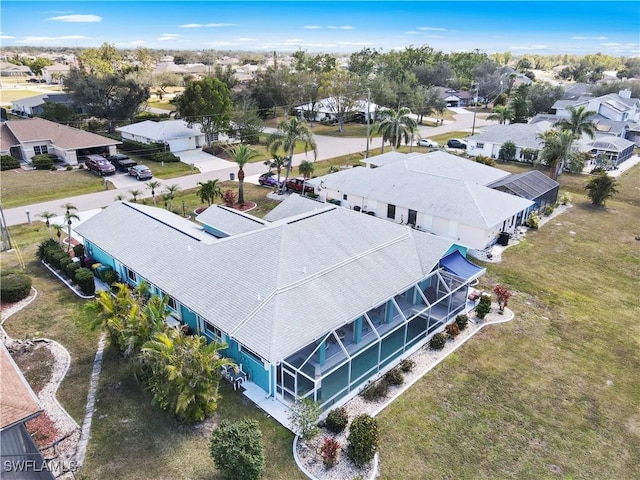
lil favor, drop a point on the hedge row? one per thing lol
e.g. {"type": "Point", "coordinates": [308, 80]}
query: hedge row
{"type": "Point", "coordinates": [7, 162]}
{"type": "Point", "coordinates": [52, 253]}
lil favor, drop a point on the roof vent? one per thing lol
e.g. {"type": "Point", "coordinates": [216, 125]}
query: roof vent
{"type": "Point", "coordinates": [304, 270]}
{"type": "Point", "coordinates": [188, 248]}
{"type": "Point", "coordinates": [259, 297]}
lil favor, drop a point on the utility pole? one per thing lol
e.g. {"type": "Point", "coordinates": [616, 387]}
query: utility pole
{"type": "Point", "coordinates": [366, 155]}
{"type": "Point", "coordinates": [475, 108]}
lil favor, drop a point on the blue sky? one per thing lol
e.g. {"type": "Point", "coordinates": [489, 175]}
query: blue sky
{"type": "Point", "coordinates": [543, 27]}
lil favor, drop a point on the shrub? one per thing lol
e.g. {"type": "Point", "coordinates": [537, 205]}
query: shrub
{"type": "Point", "coordinates": [329, 450]}
{"type": "Point", "coordinates": [49, 242]}
{"type": "Point", "coordinates": [565, 198]}
{"type": "Point", "coordinates": [394, 377]}
{"type": "Point", "coordinates": [304, 416]}
{"type": "Point", "coordinates": [438, 341]}
{"type": "Point", "coordinates": [84, 279]}
{"type": "Point", "coordinates": [337, 420]}
{"type": "Point", "coordinates": [485, 160]}
{"type": "Point", "coordinates": [462, 321]}
{"type": "Point", "coordinates": [237, 450]}
{"type": "Point", "coordinates": [144, 150]}
{"type": "Point", "coordinates": [452, 329]}
{"type": "Point", "coordinates": [548, 210]}
{"type": "Point", "coordinates": [81, 166]}
{"type": "Point", "coordinates": [483, 308]}
{"type": "Point", "coordinates": [14, 286]}
{"type": "Point", "coordinates": [110, 276]}
{"type": "Point", "coordinates": [229, 198]}
{"type": "Point", "coordinates": [363, 440]}
{"type": "Point", "coordinates": [407, 365]}
{"type": "Point", "coordinates": [71, 269]}
{"type": "Point", "coordinates": [507, 152]}
{"type": "Point", "coordinates": [42, 162]}
{"type": "Point", "coordinates": [503, 294]}
{"type": "Point", "coordinates": [53, 168]}
{"type": "Point", "coordinates": [533, 221]}
{"type": "Point", "coordinates": [57, 258]}
{"type": "Point", "coordinates": [64, 263]}
{"type": "Point", "coordinates": [164, 157]}
{"type": "Point", "coordinates": [69, 168]}
{"type": "Point", "coordinates": [78, 250]}
{"type": "Point", "coordinates": [376, 391]}
{"type": "Point", "coordinates": [7, 162]}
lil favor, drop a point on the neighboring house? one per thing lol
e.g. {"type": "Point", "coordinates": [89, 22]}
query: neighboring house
{"type": "Point", "coordinates": [11, 70]}
{"type": "Point", "coordinates": [21, 458]}
{"type": "Point", "coordinates": [533, 185]}
{"type": "Point", "coordinates": [613, 106]}
{"type": "Point", "coordinates": [33, 105]}
{"type": "Point", "coordinates": [456, 98]}
{"type": "Point", "coordinates": [175, 134]}
{"type": "Point", "coordinates": [437, 192]}
{"type": "Point", "coordinates": [170, 67]}
{"type": "Point", "coordinates": [609, 151]}
{"type": "Point", "coordinates": [327, 108]}
{"type": "Point", "coordinates": [491, 138]}
{"type": "Point", "coordinates": [22, 139]}
{"type": "Point", "coordinates": [55, 73]}
{"type": "Point", "coordinates": [313, 306]}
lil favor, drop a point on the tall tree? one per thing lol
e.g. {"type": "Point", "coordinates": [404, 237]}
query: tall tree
{"type": "Point", "coordinates": [47, 216]}
{"type": "Point", "coordinates": [343, 91]}
{"type": "Point", "coordinates": [247, 125]}
{"type": "Point", "coordinates": [153, 184]}
{"type": "Point", "coordinates": [520, 105]}
{"type": "Point", "coordinates": [502, 113]}
{"type": "Point", "coordinates": [208, 191]}
{"type": "Point", "coordinates": [278, 162]}
{"type": "Point", "coordinates": [285, 137]}
{"type": "Point", "coordinates": [578, 123]}
{"type": "Point", "coordinates": [241, 154]}
{"type": "Point", "coordinates": [306, 169]}
{"type": "Point", "coordinates": [556, 149]}
{"type": "Point", "coordinates": [206, 102]}
{"type": "Point", "coordinates": [600, 188]}
{"type": "Point", "coordinates": [395, 126]}
{"type": "Point", "coordinates": [542, 96]}
{"type": "Point", "coordinates": [69, 217]}
{"type": "Point", "coordinates": [104, 60]}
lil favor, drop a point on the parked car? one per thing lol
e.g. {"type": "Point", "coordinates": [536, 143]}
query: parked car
{"type": "Point", "coordinates": [425, 142]}
{"type": "Point", "coordinates": [99, 165]}
{"type": "Point", "coordinates": [121, 162]}
{"type": "Point", "coordinates": [456, 143]}
{"type": "Point", "coordinates": [141, 172]}
{"type": "Point", "coordinates": [295, 184]}
{"type": "Point", "coordinates": [268, 179]}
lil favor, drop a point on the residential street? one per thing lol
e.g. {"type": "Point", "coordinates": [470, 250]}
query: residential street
{"type": "Point", "coordinates": [328, 147]}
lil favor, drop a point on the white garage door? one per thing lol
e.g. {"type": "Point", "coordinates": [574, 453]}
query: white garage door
{"type": "Point", "coordinates": [179, 144]}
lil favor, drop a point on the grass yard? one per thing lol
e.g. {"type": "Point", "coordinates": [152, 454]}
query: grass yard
{"type": "Point", "coordinates": [57, 314]}
{"type": "Point", "coordinates": [25, 187]}
{"type": "Point", "coordinates": [553, 394]}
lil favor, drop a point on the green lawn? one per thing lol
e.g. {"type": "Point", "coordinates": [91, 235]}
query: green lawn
{"type": "Point", "coordinates": [553, 394]}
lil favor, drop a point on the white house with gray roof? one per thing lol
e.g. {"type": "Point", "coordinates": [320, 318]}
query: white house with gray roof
{"type": "Point", "coordinates": [491, 138]}
{"type": "Point", "coordinates": [177, 135]}
{"type": "Point", "coordinates": [437, 192]}
{"type": "Point", "coordinates": [312, 306]}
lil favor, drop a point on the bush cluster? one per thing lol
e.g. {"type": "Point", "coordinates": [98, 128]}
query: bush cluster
{"type": "Point", "coordinates": [144, 150]}
{"type": "Point", "coordinates": [42, 162]}
{"type": "Point", "coordinates": [438, 341]}
{"type": "Point", "coordinates": [52, 253]}
{"type": "Point", "coordinates": [484, 306]}
{"type": "Point", "coordinates": [462, 321]}
{"type": "Point", "coordinates": [453, 330]}
{"type": "Point", "coordinates": [363, 440]}
{"type": "Point", "coordinates": [7, 162]}
{"type": "Point", "coordinates": [14, 286]}
{"type": "Point", "coordinates": [167, 157]}
{"type": "Point", "coordinates": [394, 377]}
{"type": "Point", "coordinates": [376, 391]}
{"type": "Point", "coordinates": [337, 420]}
{"type": "Point", "coordinates": [548, 210]}
{"type": "Point", "coordinates": [533, 221]}
{"type": "Point", "coordinates": [407, 365]}
{"type": "Point", "coordinates": [237, 450]}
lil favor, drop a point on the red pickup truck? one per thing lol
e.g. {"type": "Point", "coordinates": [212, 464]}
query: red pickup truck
{"type": "Point", "coordinates": [295, 184]}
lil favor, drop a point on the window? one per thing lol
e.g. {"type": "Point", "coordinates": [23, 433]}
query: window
{"type": "Point", "coordinates": [212, 330]}
{"type": "Point", "coordinates": [40, 149]}
{"type": "Point", "coordinates": [391, 211]}
{"type": "Point", "coordinates": [171, 303]}
{"type": "Point", "coordinates": [36, 150]}
{"type": "Point", "coordinates": [412, 217]}
{"type": "Point", "coordinates": [479, 145]}
{"type": "Point", "coordinates": [131, 275]}
{"type": "Point", "coordinates": [251, 354]}
{"type": "Point", "coordinates": [344, 196]}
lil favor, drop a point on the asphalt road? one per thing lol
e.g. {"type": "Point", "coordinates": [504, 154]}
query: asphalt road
{"type": "Point", "coordinates": [328, 147]}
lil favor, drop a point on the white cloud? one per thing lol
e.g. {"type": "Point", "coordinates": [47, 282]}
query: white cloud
{"type": "Point", "coordinates": [292, 40]}
{"type": "Point", "coordinates": [219, 25]}
{"type": "Point", "coordinates": [432, 29]}
{"type": "Point", "coordinates": [36, 40]}
{"type": "Point", "coordinates": [529, 47]}
{"type": "Point", "coordinates": [5, 36]}
{"type": "Point", "coordinates": [612, 44]}
{"type": "Point", "coordinates": [77, 18]}
{"type": "Point", "coordinates": [354, 44]}
{"type": "Point", "coordinates": [221, 44]}
{"type": "Point", "coordinates": [588, 38]}
{"type": "Point", "coordinates": [312, 27]}
{"type": "Point", "coordinates": [138, 42]}
{"type": "Point", "coordinates": [246, 39]}
{"type": "Point", "coordinates": [347, 27]}
{"type": "Point", "coordinates": [411, 32]}
{"type": "Point", "coordinates": [167, 37]}
{"type": "Point", "coordinates": [191, 25]}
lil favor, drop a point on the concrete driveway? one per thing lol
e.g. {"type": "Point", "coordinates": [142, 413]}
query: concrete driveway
{"type": "Point", "coordinates": [203, 161]}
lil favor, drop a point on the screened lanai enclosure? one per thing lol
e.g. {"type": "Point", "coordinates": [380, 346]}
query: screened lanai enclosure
{"type": "Point", "coordinates": [330, 368]}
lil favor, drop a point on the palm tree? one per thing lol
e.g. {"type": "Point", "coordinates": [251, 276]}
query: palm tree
{"type": "Point", "coordinates": [502, 113]}
{"type": "Point", "coordinates": [135, 194]}
{"type": "Point", "coordinates": [119, 197]}
{"type": "Point", "coordinates": [209, 191]}
{"type": "Point", "coordinates": [600, 188]}
{"type": "Point", "coordinates": [578, 123]}
{"type": "Point", "coordinates": [289, 132]}
{"type": "Point", "coordinates": [58, 229]}
{"type": "Point", "coordinates": [278, 162]}
{"type": "Point", "coordinates": [113, 308]}
{"type": "Point", "coordinates": [241, 154]}
{"type": "Point", "coordinates": [69, 216]}
{"type": "Point", "coordinates": [556, 149]}
{"type": "Point", "coordinates": [47, 216]}
{"type": "Point", "coordinates": [171, 194]}
{"type": "Point", "coordinates": [306, 169]}
{"type": "Point", "coordinates": [395, 126]}
{"type": "Point", "coordinates": [153, 184]}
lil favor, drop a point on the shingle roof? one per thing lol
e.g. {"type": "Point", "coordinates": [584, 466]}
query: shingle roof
{"type": "Point", "coordinates": [278, 288]}
{"type": "Point", "coordinates": [41, 99]}
{"type": "Point", "coordinates": [529, 185]}
{"type": "Point", "coordinates": [294, 204]}
{"type": "Point", "coordinates": [68, 138]}
{"type": "Point", "coordinates": [17, 401]}
{"type": "Point", "coordinates": [7, 139]}
{"type": "Point", "coordinates": [166, 130]}
{"type": "Point", "coordinates": [524, 135]}
{"type": "Point", "coordinates": [229, 221]}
